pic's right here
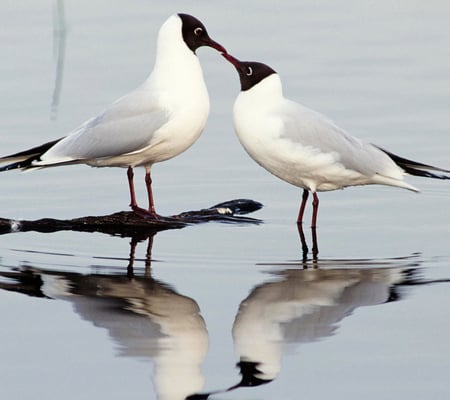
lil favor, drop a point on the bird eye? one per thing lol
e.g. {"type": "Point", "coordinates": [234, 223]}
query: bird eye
{"type": "Point", "coordinates": [249, 71]}
{"type": "Point", "coordinates": [198, 31]}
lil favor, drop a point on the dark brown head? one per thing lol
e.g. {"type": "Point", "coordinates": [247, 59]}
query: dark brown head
{"type": "Point", "coordinates": [195, 34]}
{"type": "Point", "coordinates": [250, 73]}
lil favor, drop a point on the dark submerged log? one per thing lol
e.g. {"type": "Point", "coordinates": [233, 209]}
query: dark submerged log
{"type": "Point", "coordinates": [127, 223]}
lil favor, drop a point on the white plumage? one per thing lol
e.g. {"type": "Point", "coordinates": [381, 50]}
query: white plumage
{"type": "Point", "coordinates": [305, 148]}
{"type": "Point", "coordinates": [153, 123]}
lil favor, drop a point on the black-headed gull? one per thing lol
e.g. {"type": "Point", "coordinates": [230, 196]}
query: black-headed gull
{"type": "Point", "coordinates": [304, 147]}
{"type": "Point", "coordinates": [153, 123]}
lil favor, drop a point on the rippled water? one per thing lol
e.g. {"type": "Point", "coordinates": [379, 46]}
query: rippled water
{"type": "Point", "coordinates": [201, 309]}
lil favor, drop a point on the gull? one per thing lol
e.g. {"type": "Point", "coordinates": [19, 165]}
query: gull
{"type": "Point", "coordinates": [155, 122]}
{"type": "Point", "coordinates": [305, 148]}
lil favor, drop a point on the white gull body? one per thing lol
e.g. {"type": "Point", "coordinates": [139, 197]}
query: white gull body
{"type": "Point", "coordinates": [155, 122]}
{"type": "Point", "coordinates": [304, 147]}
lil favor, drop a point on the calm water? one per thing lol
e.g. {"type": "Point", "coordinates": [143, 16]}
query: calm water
{"type": "Point", "coordinates": [371, 321]}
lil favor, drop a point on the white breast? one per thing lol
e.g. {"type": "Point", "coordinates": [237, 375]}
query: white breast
{"type": "Point", "coordinates": [303, 147]}
{"type": "Point", "coordinates": [155, 122]}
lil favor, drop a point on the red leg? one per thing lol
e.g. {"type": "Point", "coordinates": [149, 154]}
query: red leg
{"type": "Point", "coordinates": [315, 246]}
{"type": "Point", "coordinates": [315, 209]}
{"type": "Point", "coordinates": [148, 183]}
{"type": "Point", "coordinates": [133, 204]}
{"type": "Point", "coordinates": [302, 207]}
{"type": "Point", "coordinates": [303, 242]}
{"type": "Point", "coordinates": [130, 176]}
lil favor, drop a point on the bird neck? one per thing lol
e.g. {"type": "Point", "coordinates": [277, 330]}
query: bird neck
{"type": "Point", "coordinates": [177, 79]}
{"type": "Point", "coordinates": [267, 92]}
{"type": "Point", "coordinates": [176, 68]}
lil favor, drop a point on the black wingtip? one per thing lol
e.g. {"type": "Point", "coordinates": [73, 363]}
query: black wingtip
{"type": "Point", "coordinates": [17, 165]}
{"type": "Point", "coordinates": [26, 158]}
{"type": "Point", "coordinates": [416, 168]}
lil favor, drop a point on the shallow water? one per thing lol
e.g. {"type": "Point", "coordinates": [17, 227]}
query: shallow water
{"type": "Point", "coordinates": [369, 319]}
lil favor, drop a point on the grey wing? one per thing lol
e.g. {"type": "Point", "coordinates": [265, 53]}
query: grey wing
{"type": "Point", "coordinates": [128, 125]}
{"type": "Point", "coordinates": [311, 129]}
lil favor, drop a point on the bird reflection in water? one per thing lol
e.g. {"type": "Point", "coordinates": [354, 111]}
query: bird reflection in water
{"type": "Point", "coordinates": [298, 306]}
{"type": "Point", "coordinates": [146, 318]}
{"type": "Point", "coordinates": [303, 306]}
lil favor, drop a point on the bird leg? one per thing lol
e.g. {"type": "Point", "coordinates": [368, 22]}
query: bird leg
{"type": "Point", "coordinates": [303, 242]}
{"type": "Point", "coordinates": [148, 183]}
{"type": "Point", "coordinates": [130, 176]}
{"type": "Point", "coordinates": [315, 247]}
{"type": "Point", "coordinates": [133, 204]}
{"type": "Point", "coordinates": [315, 204]}
{"type": "Point", "coordinates": [302, 207]}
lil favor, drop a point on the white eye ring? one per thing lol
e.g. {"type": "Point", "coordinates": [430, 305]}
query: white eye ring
{"type": "Point", "coordinates": [198, 31]}
{"type": "Point", "coordinates": [249, 71]}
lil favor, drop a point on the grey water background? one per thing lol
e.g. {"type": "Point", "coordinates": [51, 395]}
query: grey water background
{"type": "Point", "coordinates": [371, 321]}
